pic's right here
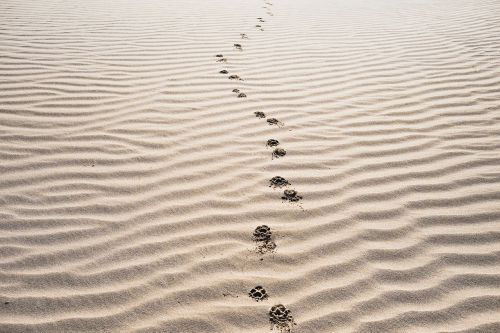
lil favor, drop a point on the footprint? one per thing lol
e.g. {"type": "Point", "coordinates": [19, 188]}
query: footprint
{"type": "Point", "coordinates": [242, 95]}
{"type": "Point", "coordinates": [291, 196]}
{"type": "Point", "coordinates": [258, 26]}
{"type": "Point", "coordinates": [262, 233]}
{"type": "Point", "coordinates": [274, 121]}
{"type": "Point", "coordinates": [236, 90]}
{"type": "Point", "coordinates": [244, 36]}
{"type": "Point", "coordinates": [260, 114]}
{"type": "Point", "coordinates": [278, 181]}
{"type": "Point", "coordinates": [281, 318]}
{"type": "Point", "coordinates": [222, 60]}
{"type": "Point", "coordinates": [265, 247]}
{"type": "Point", "coordinates": [224, 71]}
{"type": "Point", "coordinates": [235, 77]}
{"type": "Point", "coordinates": [279, 152]}
{"type": "Point", "coordinates": [238, 46]}
{"type": "Point", "coordinates": [219, 56]}
{"type": "Point", "coordinates": [258, 293]}
{"type": "Point", "coordinates": [263, 237]}
{"type": "Point", "coordinates": [272, 143]}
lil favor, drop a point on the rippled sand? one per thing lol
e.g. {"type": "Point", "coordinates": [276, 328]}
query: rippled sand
{"type": "Point", "coordinates": [132, 178]}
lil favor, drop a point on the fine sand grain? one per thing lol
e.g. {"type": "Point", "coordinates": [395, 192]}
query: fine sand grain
{"type": "Point", "coordinates": [132, 177]}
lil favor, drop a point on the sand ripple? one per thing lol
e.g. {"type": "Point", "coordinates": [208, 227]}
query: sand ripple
{"type": "Point", "coordinates": [132, 178]}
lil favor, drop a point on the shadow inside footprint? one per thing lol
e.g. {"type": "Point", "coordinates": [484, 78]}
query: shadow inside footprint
{"type": "Point", "coordinates": [258, 293]}
{"type": "Point", "coordinates": [281, 318]}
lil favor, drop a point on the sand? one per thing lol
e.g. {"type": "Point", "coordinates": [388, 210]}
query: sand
{"type": "Point", "coordinates": [132, 177]}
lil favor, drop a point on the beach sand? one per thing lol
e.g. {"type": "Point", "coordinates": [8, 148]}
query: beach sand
{"type": "Point", "coordinates": [133, 178]}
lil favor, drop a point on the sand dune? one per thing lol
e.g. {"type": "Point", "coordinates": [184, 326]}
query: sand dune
{"type": "Point", "coordinates": [132, 178]}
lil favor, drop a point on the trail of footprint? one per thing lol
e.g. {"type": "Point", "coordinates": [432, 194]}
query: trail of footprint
{"type": "Point", "coordinates": [279, 316]}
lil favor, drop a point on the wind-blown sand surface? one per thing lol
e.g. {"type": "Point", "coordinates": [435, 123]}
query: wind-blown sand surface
{"type": "Point", "coordinates": [132, 178]}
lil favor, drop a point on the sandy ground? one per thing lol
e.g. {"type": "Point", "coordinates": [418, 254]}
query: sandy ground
{"type": "Point", "coordinates": [132, 177]}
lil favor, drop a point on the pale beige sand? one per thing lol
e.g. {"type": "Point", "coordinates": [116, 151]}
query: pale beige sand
{"type": "Point", "coordinates": [132, 177]}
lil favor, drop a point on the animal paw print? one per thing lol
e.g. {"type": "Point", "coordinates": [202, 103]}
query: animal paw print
{"type": "Point", "coordinates": [272, 143]}
{"type": "Point", "coordinates": [279, 152]}
{"type": "Point", "coordinates": [269, 246]}
{"type": "Point", "coordinates": [274, 121]}
{"type": "Point", "coordinates": [260, 114]}
{"type": "Point", "coordinates": [240, 95]}
{"type": "Point", "coordinates": [220, 58]}
{"type": "Point", "coordinates": [278, 181]}
{"type": "Point", "coordinates": [291, 196]}
{"type": "Point", "coordinates": [262, 233]}
{"type": "Point", "coordinates": [281, 318]}
{"type": "Point", "coordinates": [263, 237]}
{"type": "Point", "coordinates": [238, 46]}
{"type": "Point", "coordinates": [235, 77]}
{"type": "Point", "coordinates": [258, 293]}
